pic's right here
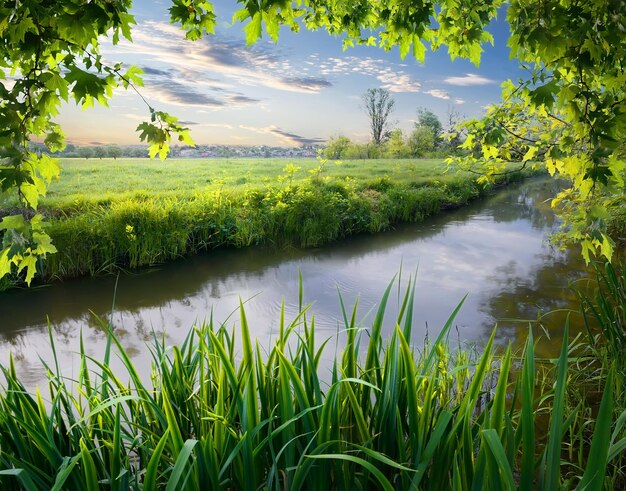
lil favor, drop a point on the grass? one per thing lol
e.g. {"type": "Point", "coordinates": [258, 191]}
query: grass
{"type": "Point", "coordinates": [108, 179]}
{"type": "Point", "coordinates": [102, 181]}
{"type": "Point", "coordinates": [222, 413]}
{"type": "Point", "coordinates": [107, 214]}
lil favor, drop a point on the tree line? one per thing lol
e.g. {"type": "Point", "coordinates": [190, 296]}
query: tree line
{"type": "Point", "coordinates": [428, 138]}
{"type": "Point", "coordinates": [94, 151]}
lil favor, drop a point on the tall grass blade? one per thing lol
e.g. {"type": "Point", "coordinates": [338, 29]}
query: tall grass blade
{"type": "Point", "coordinates": [22, 476]}
{"type": "Point", "coordinates": [64, 472]}
{"type": "Point", "coordinates": [593, 478]}
{"type": "Point", "coordinates": [551, 464]}
{"type": "Point", "coordinates": [430, 358]}
{"type": "Point", "coordinates": [174, 480]}
{"type": "Point", "coordinates": [491, 437]}
{"type": "Point", "coordinates": [527, 423]}
{"type": "Point", "coordinates": [380, 477]}
{"type": "Point", "coordinates": [372, 361]}
{"type": "Point", "coordinates": [150, 479]}
{"type": "Point", "coordinates": [89, 468]}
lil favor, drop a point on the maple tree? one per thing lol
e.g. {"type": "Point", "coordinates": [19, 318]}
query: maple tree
{"type": "Point", "coordinates": [570, 112]}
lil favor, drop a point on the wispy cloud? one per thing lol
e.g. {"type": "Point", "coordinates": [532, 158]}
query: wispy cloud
{"type": "Point", "coordinates": [183, 87]}
{"type": "Point", "coordinates": [218, 62]}
{"type": "Point", "coordinates": [176, 93]}
{"type": "Point", "coordinates": [285, 137]}
{"type": "Point", "coordinates": [469, 79]}
{"type": "Point", "coordinates": [438, 93]}
{"type": "Point", "coordinates": [307, 84]}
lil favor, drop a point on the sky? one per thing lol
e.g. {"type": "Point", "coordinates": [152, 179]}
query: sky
{"type": "Point", "coordinates": [301, 90]}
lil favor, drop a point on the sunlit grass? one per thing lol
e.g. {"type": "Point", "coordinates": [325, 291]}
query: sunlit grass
{"type": "Point", "coordinates": [118, 179]}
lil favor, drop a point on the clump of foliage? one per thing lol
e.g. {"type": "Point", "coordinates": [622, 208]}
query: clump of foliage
{"type": "Point", "coordinates": [427, 137]}
{"type": "Point", "coordinates": [569, 113]}
{"type": "Point", "coordinates": [145, 228]}
{"type": "Point", "coordinates": [225, 412]}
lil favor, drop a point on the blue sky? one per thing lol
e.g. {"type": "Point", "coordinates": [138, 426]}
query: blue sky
{"type": "Point", "coordinates": [304, 89]}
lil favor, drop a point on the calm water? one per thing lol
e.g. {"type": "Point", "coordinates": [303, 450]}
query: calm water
{"type": "Point", "coordinates": [496, 251]}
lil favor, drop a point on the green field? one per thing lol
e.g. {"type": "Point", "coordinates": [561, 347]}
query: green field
{"type": "Point", "coordinates": [109, 214]}
{"type": "Point", "coordinates": [104, 180]}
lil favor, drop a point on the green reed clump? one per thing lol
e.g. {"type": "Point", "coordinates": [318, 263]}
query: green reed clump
{"type": "Point", "coordinates": [224, 412]}
{"type": "Point", "coordinates": [604, 311]}
{"type": "Point", "coordinates": [144, 230]}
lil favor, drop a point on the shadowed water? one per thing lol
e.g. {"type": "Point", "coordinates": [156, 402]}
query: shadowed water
{"type": "Point", "coordinates": [496, 251]}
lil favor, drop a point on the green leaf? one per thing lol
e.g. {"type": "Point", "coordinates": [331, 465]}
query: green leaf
{"type": "Point", "coordinates": [14, 222]}
{"type": "Point", "coordinates": [29, 261]}
{"type": "Point", "coordinates": [271, 25]}
{"type": "Point", "coordinates": [253, 29]}
{"type": "Point", "coordinates": [491, 437]}
{"type": "Point", "coordinates": [544, 94]}
{"type": "Point", "coordinates": [181, 461]}
{"type": "Point", "coordinates": [5, 262]}
{"type": "Point", "coordinates": [474, 52]}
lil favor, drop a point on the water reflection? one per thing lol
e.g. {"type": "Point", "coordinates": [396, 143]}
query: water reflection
{"type": "Point", "coordinates": [496, 250]}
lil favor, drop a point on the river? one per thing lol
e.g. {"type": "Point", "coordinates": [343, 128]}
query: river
{"type": "Point", "coordinates": [495, 250]}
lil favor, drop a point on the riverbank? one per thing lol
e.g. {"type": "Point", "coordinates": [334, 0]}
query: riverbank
{"type": "Point", "coordinates": [99, 225]}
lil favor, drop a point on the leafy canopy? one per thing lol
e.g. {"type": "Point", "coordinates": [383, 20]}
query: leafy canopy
{"type": "Point", "coordinates": [569, 111]}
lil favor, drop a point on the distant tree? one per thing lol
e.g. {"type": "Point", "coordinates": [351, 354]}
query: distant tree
{"type": "Point", "coordinates": [114, 151]}
{"type": "Point", "coordinates": [336, 147]}
{"type": "Point", "coordinates": [421, 140]}
{"type": "Point", "coordinates": [429, 120]}
{"type": "Point", "coordinates": [396, 147]}
{"type": "Point", "coordinates": [379, 105]}
{"type": "Point", "coordinates": [455, 134]}
{"type": "Point", "coordinates": [373, 151]}
{"type": "Point", "coordinates": [100, 151]}
{"type": "Point", "coordinates": [355, 151]}
{"type": "Point", "coordinates": [85, 152]}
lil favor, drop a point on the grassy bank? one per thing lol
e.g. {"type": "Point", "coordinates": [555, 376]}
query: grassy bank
{"type": "Point", "coordinates": [226, 414]}
{"type": "Point", "coordinates": [107, 214]}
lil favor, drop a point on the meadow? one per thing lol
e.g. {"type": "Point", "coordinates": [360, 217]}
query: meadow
{"type": "Point", "coordinates": [102, 180]}
{"type": "Point", "coordinates": [107, 214]}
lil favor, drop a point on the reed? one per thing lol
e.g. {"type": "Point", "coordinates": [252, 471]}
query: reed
{"type": "Point", "coordinates": [223, 412]}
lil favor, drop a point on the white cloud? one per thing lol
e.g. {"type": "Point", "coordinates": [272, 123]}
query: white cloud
{"type": "Point", "coordinates": [468, 80]}
{"type": "Point", "coordinates": [459, 101]}
{"type": "Point", "coordinates": [398, 82]}
{"type": "Point", "coordinates": [390, 79]}
{"type": "Point", "coordinates": [438, 93]}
